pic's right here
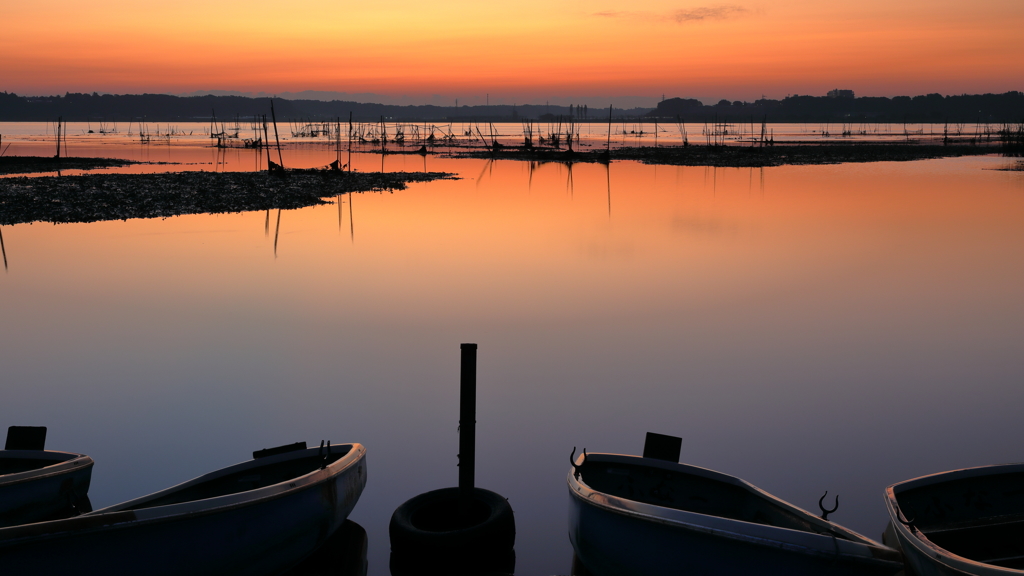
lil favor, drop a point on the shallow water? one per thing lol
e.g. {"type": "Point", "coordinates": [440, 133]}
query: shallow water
{"type": "Point", "coordinates": [806, 328]}
{"type": "Point", "coordinates": [189, 143]}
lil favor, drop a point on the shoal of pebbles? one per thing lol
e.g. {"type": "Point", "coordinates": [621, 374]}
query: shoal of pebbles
{"type": "Point", "coordinates": [94, 197]}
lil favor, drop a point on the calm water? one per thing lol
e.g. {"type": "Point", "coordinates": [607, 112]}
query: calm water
{"type": "Point", "coordinates": [178, 141]}
{"type": "Point", "coordinates": [806, 328]}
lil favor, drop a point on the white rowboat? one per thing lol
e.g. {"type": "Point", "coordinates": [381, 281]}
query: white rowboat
{"type": "Point", "coordinates": [638, 516]}
{"type": "Point", "coordinates": [961, 522]}
{"type": "Point", "coordinates": [256, 518]}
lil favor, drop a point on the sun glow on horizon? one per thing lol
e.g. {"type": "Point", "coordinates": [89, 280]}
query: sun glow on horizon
{"type": "Point", "coordinates": [522, 53]}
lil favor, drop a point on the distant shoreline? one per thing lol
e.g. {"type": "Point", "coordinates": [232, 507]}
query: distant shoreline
{"type": "Point", "coordinates": [931, 109]}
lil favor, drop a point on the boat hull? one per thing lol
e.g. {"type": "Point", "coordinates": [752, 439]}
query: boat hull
{"type": "Point", "coordinates": [60, 488]}
{"type": "Point", "coordinates": [919, 563]}
{"type": "Point", "coordinates": [946, 490]}
{"type": "Point", "coordinates": [615, 535]}
{"type": "Point", "coordinates": [261, 537]}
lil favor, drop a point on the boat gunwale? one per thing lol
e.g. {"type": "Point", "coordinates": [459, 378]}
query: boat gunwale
{"type": "Point", "coordinates": [355, 453]}
{"type": "Point", "coordinates": [116, 518]}
{"type": "Point", "coordinates": [850, 545]}
{"type": "Point", "coordinates": [67, 461]}
{"type": "Point", "coordinates": [920, 541]}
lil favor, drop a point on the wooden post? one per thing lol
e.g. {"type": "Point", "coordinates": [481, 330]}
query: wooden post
{"type": "Point", "coordinates": [467, 429]}
{"type": "Point", "coordinates": [609, 129]}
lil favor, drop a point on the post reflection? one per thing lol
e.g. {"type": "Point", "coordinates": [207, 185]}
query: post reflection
{"type": "Point", "coordinates": [277, 231]}
{"type": "Point", "coordinates": [351, 222]}
{"type": "Point", "coordinates": [3, 248]}
{"type": "Point", "coordinates": [499, 564]}
{"type": "Point", "coordinates": [608, 181]}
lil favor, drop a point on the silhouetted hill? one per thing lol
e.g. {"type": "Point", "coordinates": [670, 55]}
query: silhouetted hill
{"type": "Point", "coordinates": [1008, 107]}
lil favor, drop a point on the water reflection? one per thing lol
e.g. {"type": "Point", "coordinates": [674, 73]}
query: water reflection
{"type": "Point", "coordinates": [503, 564]}
{"type": "Point", "coordinates": [608, 184]}
{"type": "Point", "coordinates": [488, 168]}
{"type": "Point", "coordinates": [880, 303]}
{"type": "Point", "coordinates": [277, 231]}
{"type": "Point", "coordinates": [3, 248]}
{"type": "Point", "coordinates": [343, 554]}
{"type": "Point", "coordinates": [577, 567]}
{"type": "Point", "coordinates": [351, 220]}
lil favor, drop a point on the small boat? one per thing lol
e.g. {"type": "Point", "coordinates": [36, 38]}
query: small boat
{"type": "Point", "coordinates": [38, 484]}
{"type": "Point", "coordinates": [259, 517]}
{"type": "Point", "coordinates": [633, 515]}
{"type": "Point", "coordinates": [967, 521]}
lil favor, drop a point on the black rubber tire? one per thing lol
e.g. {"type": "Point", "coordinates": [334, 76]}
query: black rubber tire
{"type": "Point", "coordinates": [414, 525]}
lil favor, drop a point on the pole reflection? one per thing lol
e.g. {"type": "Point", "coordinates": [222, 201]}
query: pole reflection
{"type": "Point", "coordinates": [277, 231]}
{"type": "Point", "coordinates": [3, 248]}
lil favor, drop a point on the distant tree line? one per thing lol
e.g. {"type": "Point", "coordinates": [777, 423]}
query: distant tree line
{"type": "Point", "coordinates": [167, 108]}
{"type": "Point", "coordinates": [1008, 107]}
{"type": "Point", "coordinates": [931, 108]}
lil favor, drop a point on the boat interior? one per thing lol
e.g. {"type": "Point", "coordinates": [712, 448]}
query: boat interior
{"type": "Point", "coordinates": [250, 478]}
{"type": "Point", "coordinates": [692, 493]}
{"type": "Point", "coordinates": [980, 518]}
{"type": "Point", "coordinates": [10, 464]}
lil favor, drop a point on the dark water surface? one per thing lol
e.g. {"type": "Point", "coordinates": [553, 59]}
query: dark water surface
{"type": "Point", "coordinates": [805, 328]}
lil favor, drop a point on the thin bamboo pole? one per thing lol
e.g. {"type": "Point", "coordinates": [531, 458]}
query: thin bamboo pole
{"type": "Point", "coordinates": [274, 118]}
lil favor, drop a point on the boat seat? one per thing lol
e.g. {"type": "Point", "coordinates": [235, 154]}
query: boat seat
{"type": "Point", "coordinates": [26, 438]}
{"type": "Point", "coordinates": [998, 541]}
{"type": "Point", "coordinates": [15, 465]}
{"type": "Point", "coordinates": [690, 493]}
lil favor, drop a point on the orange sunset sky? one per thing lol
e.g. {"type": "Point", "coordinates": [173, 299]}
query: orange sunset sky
{"type": "Point", "coordinates": [523, 52]}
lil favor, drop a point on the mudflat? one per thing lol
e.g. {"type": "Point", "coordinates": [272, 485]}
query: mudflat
{"type": "Point", "coordinates": [95, 197]}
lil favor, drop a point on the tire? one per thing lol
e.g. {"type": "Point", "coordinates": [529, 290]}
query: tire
{"type": "Point", "coordinates": [429, 525]}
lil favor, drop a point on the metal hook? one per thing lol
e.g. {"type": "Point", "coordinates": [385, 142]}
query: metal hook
{"type": "Point", "coordinates": [576, 467]}
{"type": "Point", "coordinates": [323, 463]}
{"type": "Point", "coordinates": [825, 513]}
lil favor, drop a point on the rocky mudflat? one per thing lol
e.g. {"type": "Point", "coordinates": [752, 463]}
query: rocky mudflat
{"type": "Point", "coordinates": [37, 164]}
{"type": "Point", "coordinates": [94, 197]}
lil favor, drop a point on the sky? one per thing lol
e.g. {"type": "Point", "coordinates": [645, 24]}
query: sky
{"type": "Point", "coordinates": [527, 52]}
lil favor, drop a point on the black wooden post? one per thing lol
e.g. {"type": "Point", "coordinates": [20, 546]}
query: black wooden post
{"type": "Point", "coordinates": [467, 428]}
